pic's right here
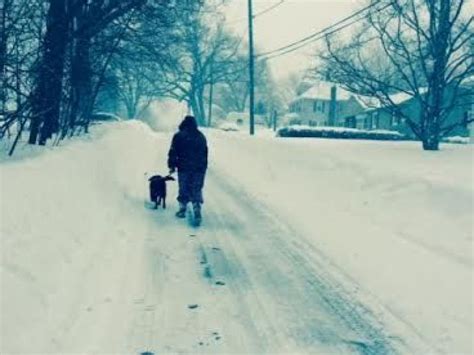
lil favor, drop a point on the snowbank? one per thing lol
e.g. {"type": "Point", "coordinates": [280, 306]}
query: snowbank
{"type": "Point", "coordinates": [164, 115]}
{"type": "Point", "coordinates": [61, 211]}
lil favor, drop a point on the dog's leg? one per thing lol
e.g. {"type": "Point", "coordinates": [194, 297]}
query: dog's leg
{"type": "Point", "coordinates": [164, 203]}
{"type": "Point", "coordinates": [156, 205]}
{"type": "Point", "coordinates": [159, 202]}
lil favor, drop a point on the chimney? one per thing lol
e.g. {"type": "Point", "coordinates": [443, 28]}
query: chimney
{"type": "Point", "coordinates": [332, 106]}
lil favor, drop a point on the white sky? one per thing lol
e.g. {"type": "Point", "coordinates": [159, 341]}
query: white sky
{"type": "Point", "coordinates": [289, 22]}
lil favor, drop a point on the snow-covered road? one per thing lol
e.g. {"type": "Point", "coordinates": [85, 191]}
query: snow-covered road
{"type": "Point", "coordinates": [257, 289]}
{"type": "Point", "coordinates": [86, 268]}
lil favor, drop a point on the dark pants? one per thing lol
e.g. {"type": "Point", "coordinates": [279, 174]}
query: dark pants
{"type": "Point", "coordinates": [190, 186]}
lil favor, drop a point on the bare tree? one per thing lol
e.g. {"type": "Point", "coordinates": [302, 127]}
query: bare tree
{"type": "Point", "coordinates": [205, 55]}
{"type": "Point", "coordinates": [139, 62]}
{"type": "Point", "coordinates": [21, 22]}
{"type": "Point", "coordinates": [233, 93]}
{"type": "Point", "coordinates": [426, 48]}
{"type": "Point", "coordinates": [73, 23]}
{"type": "Point", "coordinates": [57, 56]}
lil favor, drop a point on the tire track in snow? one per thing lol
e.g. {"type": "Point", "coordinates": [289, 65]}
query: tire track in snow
{"type": "Point", "coordinates": [259, 243]}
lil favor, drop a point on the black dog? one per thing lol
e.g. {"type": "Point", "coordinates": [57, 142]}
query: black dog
{"type": "Point", "coordinates": [158, 189]}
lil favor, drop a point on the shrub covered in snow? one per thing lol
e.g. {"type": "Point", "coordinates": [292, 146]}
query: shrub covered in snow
{"type": "Point", "coordinates": [229, 126]}
{"type": "Point", "coordinates": [457, 140]}
{"type": "Point", "coordinates": [338, 133]}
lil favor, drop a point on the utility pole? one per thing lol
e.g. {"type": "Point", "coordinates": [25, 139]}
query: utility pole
{"type": "Point", "coordinates": [209, 120]}
{"type": "Point", "coordinates": [274, 120]}
{"type": "Point", "coordinates": [251, 70]}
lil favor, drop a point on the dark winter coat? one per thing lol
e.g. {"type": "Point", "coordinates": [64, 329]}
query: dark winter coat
{"type": "Point", "coordinates": [188, 151]}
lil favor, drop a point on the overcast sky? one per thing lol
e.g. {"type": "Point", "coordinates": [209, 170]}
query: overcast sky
{"type": "Point", "coordinates": [290, 21]}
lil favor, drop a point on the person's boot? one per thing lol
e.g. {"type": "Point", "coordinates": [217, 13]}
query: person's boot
{"type": "Point", "coordinates": [197, 213]}
{"type": "Point", "coordinates": [182, 211]}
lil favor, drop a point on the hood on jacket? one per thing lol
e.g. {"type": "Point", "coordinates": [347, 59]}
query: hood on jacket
{"type": "Point", "coordinates": [188, 123]}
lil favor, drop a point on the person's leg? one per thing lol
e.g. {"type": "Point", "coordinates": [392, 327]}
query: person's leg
{"type": "Point", "coordinates": [196, 194]}
{"type": "Point", "coordinates": [183, 193]}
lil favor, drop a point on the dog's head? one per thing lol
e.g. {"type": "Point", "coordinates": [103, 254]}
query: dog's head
{"type": "Point", "coordinates": [155, 178]}
{"type": "Point", "coordinates": [159, 177]}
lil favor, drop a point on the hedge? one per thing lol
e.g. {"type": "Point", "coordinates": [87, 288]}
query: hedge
{"type": "Point", "coordinates": [339, 133]}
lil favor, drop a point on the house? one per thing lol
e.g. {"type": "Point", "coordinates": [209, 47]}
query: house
{"type": "Point", "coordinates": [378, 117]}
{"type": "Point", "coordinates": [314, 105]}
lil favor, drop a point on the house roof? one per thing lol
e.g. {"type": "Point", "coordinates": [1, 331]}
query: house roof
{"type": "Point", "coordinates": [371, 103]}
{"type": "Point", "coordinates": [322, 91]}
{"type": "Point", "coordinates": [368, 102]}
{"type": "Point", "coordinates": [468, 81]}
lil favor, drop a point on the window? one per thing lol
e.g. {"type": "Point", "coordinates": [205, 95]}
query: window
{"type": "Point", "coordinates": [395, 120]}
{"type": "Point", "coordinates": [318, 106]}
{"type": "Point", "coordinates": [368, 122]}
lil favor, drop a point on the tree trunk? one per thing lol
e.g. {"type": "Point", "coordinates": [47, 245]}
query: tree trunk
{"type": "Point", "coordinates": [195, 108]}
{"type": "Point", "coordinates": [131, 109]}
{"type": "Point", "coordinates": [3, 52]}
{"type": "Point", "coordinates": [437, 81]}
{"type": "Point", "coordinates": [196, 102]}
{"type": "Point", "coordinates": [202, 109]}
{"type": "Point", "coordinates": [209, 118]}
{"type": "Point", "coordinates": [46, 98]}
{"type": "Point", "coordinates": [431, 143]}
{"type": "Point", "coordinates": [81, 82]}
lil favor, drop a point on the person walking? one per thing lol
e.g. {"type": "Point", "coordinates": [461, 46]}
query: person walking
{"type": "Point", "coordinates": [188, 154]}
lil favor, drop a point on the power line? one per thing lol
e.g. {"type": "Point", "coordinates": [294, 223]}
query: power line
{"type": "Point", "coordinates": [268, 9]}
{"type": "Point", "coordinates": [319, 34]}
{"type": "Point", "coordinates": [258, 14]}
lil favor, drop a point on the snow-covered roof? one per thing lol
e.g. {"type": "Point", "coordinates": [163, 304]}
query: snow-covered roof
{"type": "Point", "coordinates": [401, 97]}
{"type": "Point", "coordinates": [368, 102]}
{"type": "Point", "coordinates": [322, 91]}
{"type": "Point", "coordinates": [468, 81]}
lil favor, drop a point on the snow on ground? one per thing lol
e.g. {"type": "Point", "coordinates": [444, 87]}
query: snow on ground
{"type": "Point", "coordinates": [308, 246]}
{"type": "Point", "coordinates": [397, 219]}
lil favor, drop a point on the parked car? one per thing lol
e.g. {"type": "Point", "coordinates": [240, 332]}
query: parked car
{"type": "Point", "coordinates": [229, 126]}
{"type": "Point", "coordinates": [105, 117]}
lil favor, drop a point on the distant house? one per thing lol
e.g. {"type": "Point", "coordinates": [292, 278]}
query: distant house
{"type": "Point", "coordinates": [378, 117]}
{"type": "Point", "coordinates": [313, 106]}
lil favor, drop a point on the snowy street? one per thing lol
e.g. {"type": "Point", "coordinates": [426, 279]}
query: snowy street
{"type": "Point", "coordinates": [284, 262]}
